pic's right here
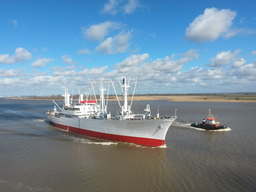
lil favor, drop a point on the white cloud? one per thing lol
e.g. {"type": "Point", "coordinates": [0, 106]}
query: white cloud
{"type": "Point", "coordinates": [190, 76]}
{"type": "Point", "coordinates": [254, 52]}
{"type": "Point", "coordinates": [44, 49]}
{"type": "Point", "coordinates": [169, 65]}
{"type": "Point", "coordinates": [46, 83]}
{"type": "Point", "coordinates": [106, 46]}
{"type": "Point", "coordinates": [131, 62]}
{"type": "Point", "coordinates": [223, 58]}
{"type": "Point", "coordinates": [62, 69]}
{"type": "Point", "coordinates": [116, 44]}
{"type": "Point", "coordinates": [97, 71]}
{"type": "Point", "coordinates": [246, 71]}
{"type": "Point", "coordinates": [239, 62]}
{"type": "Point", "coordinates": [10, 73]}
{"type": "Point", "coordinates": [210, 25]}
{"type": "Point", "coordinates": [152, 35]}
{"type": "Point", "coordinates": [122, 42]}
{"type": "Point", "coordinates": [167, 72]}
{"type": "Point", "coordinates": [189, 56]}
{"type": "Point", "coordinates": [11, 82]}
{"type": "Point", "coordinates": [67, 72]}
{"type": "Point", "coordinates": [67, 59]}
{"type": "Point", "coordinates": [41, 62]}
{"type": "Point", "coordinates": [232, 32]}
{"type": "Point", "coordinates": [162, 75]}
{"type": "Point", "coordinates": [84, 51]}
{"type": "Point", "coordinates": [15, 23]}
{"type": "Point", "coordinates": [125, 6]}
{"type": "Point", "coordinates": [111, 7]}
{"type": "Point", "coordinates": [130, 7]}
{"type": "Point", "coordinates": [135, 65]}
{"type": "Point", "coordinates": [98, 32]}
{"type": "Point", "coordinates": [215, 73]}
{"type": "Point", "coordinates": [21, 54]}
{"type": "Point", "coordinates": [111, 36]}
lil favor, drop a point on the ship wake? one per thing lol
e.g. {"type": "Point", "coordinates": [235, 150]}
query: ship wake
{"type": "Point", "coordinates": [89, 142]}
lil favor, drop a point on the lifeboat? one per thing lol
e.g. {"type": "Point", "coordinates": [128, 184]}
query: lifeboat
{"type": "Point", "coordinates": [88, 101]}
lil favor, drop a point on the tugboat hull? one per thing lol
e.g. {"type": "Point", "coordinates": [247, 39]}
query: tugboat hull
{"type": "Point", "coordinates": [208, 127]}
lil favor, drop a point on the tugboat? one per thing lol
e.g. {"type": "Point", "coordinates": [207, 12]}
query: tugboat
{"type": "Point", "coordinates": [209, 124]}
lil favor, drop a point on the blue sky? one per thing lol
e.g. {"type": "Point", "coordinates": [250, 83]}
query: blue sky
{"type": "Point", "coordinates": [169, 46]}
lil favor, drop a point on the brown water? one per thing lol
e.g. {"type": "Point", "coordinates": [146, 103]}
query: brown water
{"type": "Point", "coordinates": [35, 156]}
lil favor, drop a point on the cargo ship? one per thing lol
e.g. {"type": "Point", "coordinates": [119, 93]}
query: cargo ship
{"type": "Point", "coordinates": [91, 117]}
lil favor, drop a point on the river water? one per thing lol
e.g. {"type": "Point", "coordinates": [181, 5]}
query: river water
{"type": "Point", "coordinates": [35, 156]}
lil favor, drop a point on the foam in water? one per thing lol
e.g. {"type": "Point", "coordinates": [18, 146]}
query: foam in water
{"type": "Point", "coordinates": [86, 141]}
{"type": "Point", "coordinates": [22, 187]}
{"type": "Point", "coordinates": [39, 120]}
{"type": "Point", "coordinates": [178, 124]}
{"type": "Point", "coordinates": [227, 129]}
{"type": "Point", "coordinates": [162, 146]}
{"type": "Point", "coordinates": [101, 143]}
{"type": "Point", "coordinates": [143, 146]}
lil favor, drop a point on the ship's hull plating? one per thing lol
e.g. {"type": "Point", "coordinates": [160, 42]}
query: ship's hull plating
{"type": "Point", "coordinates": [142, 132]}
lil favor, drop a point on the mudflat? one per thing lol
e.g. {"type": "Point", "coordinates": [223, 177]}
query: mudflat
{"type": "Point", "coordinates": [218, 97]}
{"type": "Point", "coordinates": [201, 97]}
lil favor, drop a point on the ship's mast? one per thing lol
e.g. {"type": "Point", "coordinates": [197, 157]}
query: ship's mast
{"type": "Point", "coordinates": [102, 100]}
{"type": "Point", "coordinates": [125, 87]}
{"type": "Point", "coordinates": [81, 96]}
{"type": "Point", "coordinates": [66, 98]}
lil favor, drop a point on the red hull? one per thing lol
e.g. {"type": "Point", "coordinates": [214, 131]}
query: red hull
{"type": "Point", "coordinates": [129, 139]}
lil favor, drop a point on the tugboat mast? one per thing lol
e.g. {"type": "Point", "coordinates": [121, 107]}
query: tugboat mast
{"type": "Point", "coordinates": [210, 114]}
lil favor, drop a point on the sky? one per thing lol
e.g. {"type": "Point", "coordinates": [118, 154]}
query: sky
{"type": "Point", "coordinates": [168, 46]}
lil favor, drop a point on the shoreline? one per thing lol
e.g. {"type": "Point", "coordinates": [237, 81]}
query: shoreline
{"type": "Point", "coordinates": [239, 97]}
